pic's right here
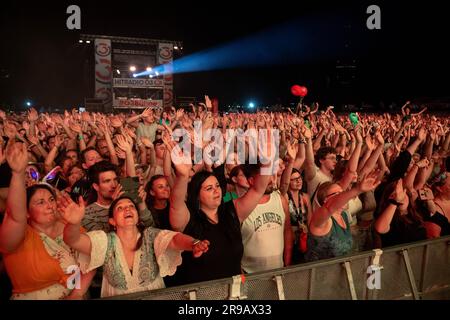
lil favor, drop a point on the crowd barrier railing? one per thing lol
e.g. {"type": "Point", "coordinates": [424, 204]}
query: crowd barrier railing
{"type": "Point", "coordinates": [419, 270]}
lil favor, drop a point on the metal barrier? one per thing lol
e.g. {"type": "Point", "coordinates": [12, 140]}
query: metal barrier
{"type": "Point", "coordinates": [419, 270]}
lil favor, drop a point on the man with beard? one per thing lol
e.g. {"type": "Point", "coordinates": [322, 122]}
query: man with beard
{"type": "Point", "coordinates": [266, 233]}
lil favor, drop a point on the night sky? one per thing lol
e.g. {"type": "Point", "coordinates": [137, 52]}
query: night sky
{"type": "Point", "coordinates": [41, 59]}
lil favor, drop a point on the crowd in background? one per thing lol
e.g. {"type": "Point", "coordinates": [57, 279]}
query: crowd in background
{"type": "Point", "coordinates": [106, 193]}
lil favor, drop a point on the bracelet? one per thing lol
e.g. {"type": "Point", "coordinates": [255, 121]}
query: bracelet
{"type": "Point", "coordinates": [195, 242]}
{"type": "Point", "coordinates": [392, 201]}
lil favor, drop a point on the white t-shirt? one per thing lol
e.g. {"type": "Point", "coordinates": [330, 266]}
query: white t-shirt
{"type": "Point", "coordinates": [312, 185]}
{"type": "Point", "coordinates": [263, 236]}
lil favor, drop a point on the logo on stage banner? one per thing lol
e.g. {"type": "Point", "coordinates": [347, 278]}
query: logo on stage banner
{"type": "Point", "coordinates": [165, 57]}
{"type": "Point", "coordinates": [103, 71]}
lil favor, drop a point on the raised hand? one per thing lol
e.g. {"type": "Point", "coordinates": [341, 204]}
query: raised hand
{"type": "Point", "coordinates": [359, 138]}
{"type": "Point", "coordinates": [399, 193]}
{"type": "Point", "coordinates": [17, 156]}
{"type": "Point", "coordinates": [182, 161]}
{"type": "Point", "coordinates": [179, 114]}
{"type": "Point", "coordinates": [116, 122]}
{"type": "Point", "coordinates": [71, 212]}
{"type": "Point", "coordinates": [146, 113]}
{"type": "Point", "coordinates": [118, 192]}
{"type": "Point", "coordinates": [57, 119]}
{"type": "Point", "coordinates": [85, 117]}
{"type": "Point", "coordinates": [123, 144]}
{"type": "Point", "coordinates": [208, 103]}
{"type": "Point", "coordinates": [423, 163]}
{"type": "Point", "coordinates": [369, 143]}
{"type": "Point", "coordinates": [306, 132]}
{"type": "Point", "coordinates": [146, 142]}
{"type": "Point", "coordinates": [75, 127]}
{"type": "Point", "coordinates": [380, 138]}
{"type": "Point", "coordinates": [59, 141]}
{"type": "Point", "coordinates": [422, 134]}
{"type": "Point", "coordinates": [369, 182]}
{"type": "Point", "coordinates": [33, 115]}
{"type": "Point", "coordinates": [142, 193]}
{"type": "Point", "coordinates": [292, 149]}
{"type": "Point", "coordinates": [120, 153]}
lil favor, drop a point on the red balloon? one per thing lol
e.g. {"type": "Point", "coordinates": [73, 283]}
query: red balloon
{"type": "Point", "coordinates": [295, 90]}
{"type": "Point", "coordinates": [299, 91]}
{"type": "Point", "coordinates": [303, 92]}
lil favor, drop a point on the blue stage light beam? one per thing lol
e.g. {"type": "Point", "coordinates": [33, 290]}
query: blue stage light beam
{"type": "Point", "coordinates": [291, 43]}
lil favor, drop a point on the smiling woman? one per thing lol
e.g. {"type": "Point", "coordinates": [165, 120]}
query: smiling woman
{"type": "Point", "coordinates": [134, 258]}
{"type": "Point", "coordinates": [36, 258]}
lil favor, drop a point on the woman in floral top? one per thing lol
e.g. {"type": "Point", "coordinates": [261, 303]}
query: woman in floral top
{"type": "Point", "coordinates": [133, 259]}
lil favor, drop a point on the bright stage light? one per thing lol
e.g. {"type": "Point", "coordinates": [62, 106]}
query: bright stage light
{"type": "Point", "coordinates": [251, 105]}
{"type": "Point", "coordinates": [28, 103]}
{"type": "Point", "coordinates": [134, 75]}
{"type": "Point", "coordinates": [80, 41]}
{"type": "Point", "coordinates": [148, 69]}
{"type": "Point", "coordinates": [175, 47]}
{"type": "Point", "coordinates": [118, 71]}
{"type": "Point", "coordinates": [88, 41]}
{"type": "Point", "coordinates": [157, 73]}
{"type": "Point", "coordinates": [132, 68]}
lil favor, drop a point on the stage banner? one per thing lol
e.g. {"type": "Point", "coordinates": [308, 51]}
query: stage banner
{"type": "Point", "coordinates": [103, 71]}
{"type": "Point", "coordinates": [137, 103]}
{"type": "Point", "coordinates": [165, 57]}
{"type": "Point", "coordinates": [138, 83]}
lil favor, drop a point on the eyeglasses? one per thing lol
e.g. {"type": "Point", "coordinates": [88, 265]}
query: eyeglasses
{"type": "Point", "coordinates": [331, 158]}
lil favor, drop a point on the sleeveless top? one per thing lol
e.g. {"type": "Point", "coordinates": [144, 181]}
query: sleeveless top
{"type": "Point", "coordinates": [337, 242]}
{"type": "Point", "coordinates": [223, 258]}
{"type": "Point", "coordinates": [263, 236]}
{"type": "Point", "coordinates": [441, 220]}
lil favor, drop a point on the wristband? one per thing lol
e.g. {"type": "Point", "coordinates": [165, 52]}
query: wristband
{"type": "Point", "coordinates": [392, 201]}
{"type": "Point", "coordinates": [195, 242]}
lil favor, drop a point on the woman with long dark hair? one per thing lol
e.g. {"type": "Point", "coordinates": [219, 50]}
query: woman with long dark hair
{"type": "Point", "coordinates": [438, 221]}
{"type": "Point", "coordinates": [204, 215]}
{"type": "Point", "coordinates": [158, 194]}
{"type": "Point", "coordinates": [398, 220]}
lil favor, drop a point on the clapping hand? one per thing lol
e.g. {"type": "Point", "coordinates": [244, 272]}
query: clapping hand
{"type": "Point", "coordinates": [71, 212]}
